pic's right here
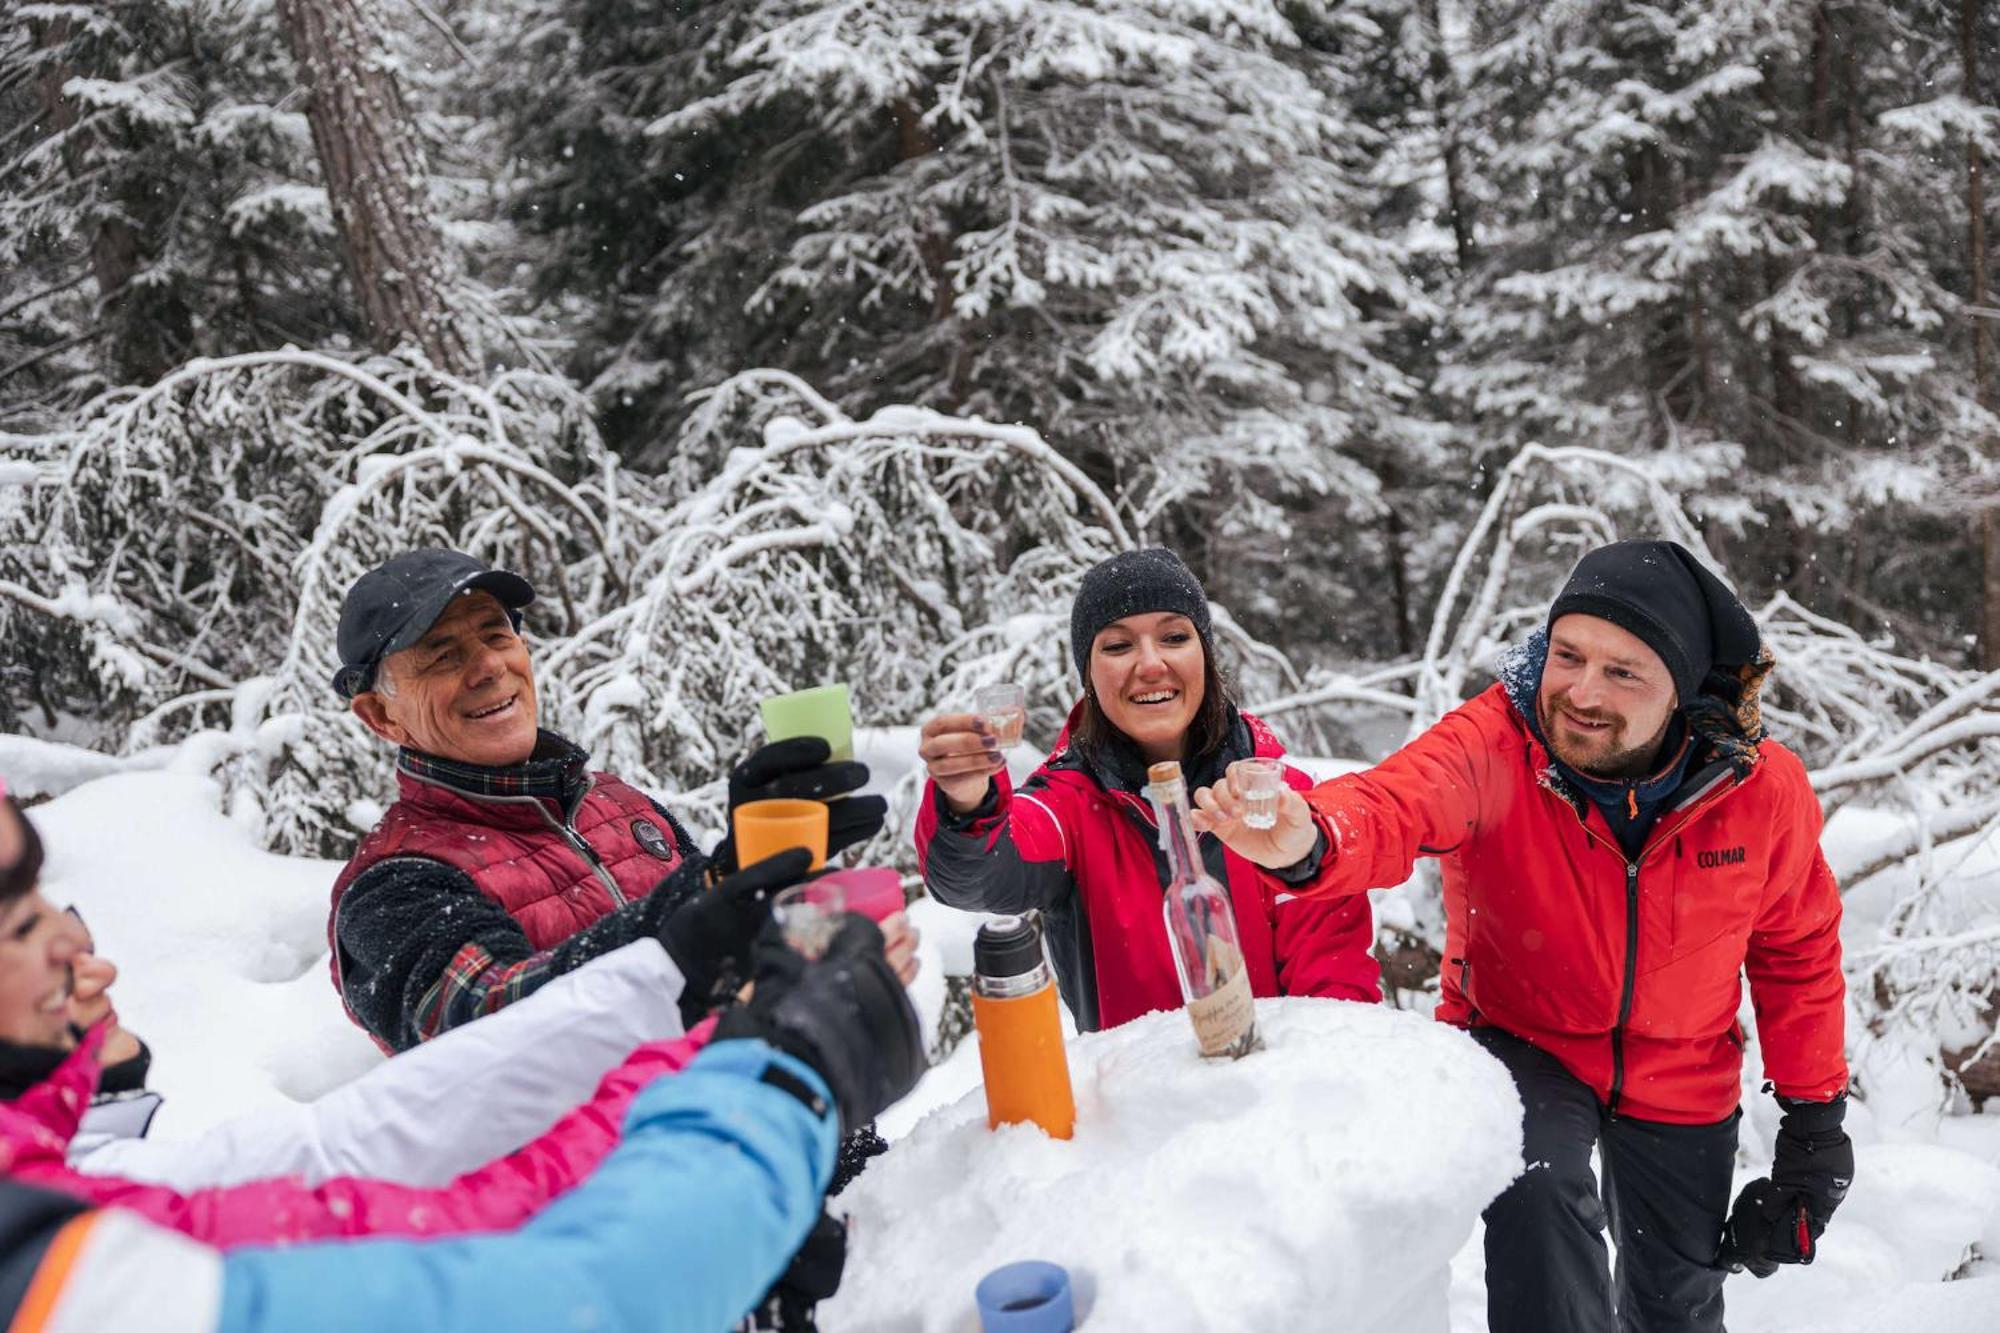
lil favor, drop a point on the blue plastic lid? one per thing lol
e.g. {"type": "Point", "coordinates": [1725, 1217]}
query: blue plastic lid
{"type": "Point", "coordinates": [1032, 1296]}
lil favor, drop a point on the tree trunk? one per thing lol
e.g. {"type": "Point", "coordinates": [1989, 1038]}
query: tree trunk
{"type": "Point", "coordinates": [1856, 209]}
{"type": "Point", "coordinates": [1704, 353]}
{"type": "Point", "coordinates": [375, 172]}
{"type": "Point", "coordinates": [1820, 124]}
{"type": "Point", "coordinates": [114, 246]}
{"type": "Point", "coordinates": [914, 140]}
{"type": "Point", "coordinates": [1787, 393]}
{"type": "Point", "coordinates": [1668, 347]}
{"type": "Point", "coordinates": [1395, 543]}
{"type": "Point", "coordinates": [1982, 338]}
{"type": "Point", "coordinates": [1975, 206]}
{"type": "Point", "coordinates": [1443, 90]}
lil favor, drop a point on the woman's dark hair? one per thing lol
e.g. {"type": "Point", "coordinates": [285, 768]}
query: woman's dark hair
{"type": "Point", "coordinates": [18, 879]}
{"type": "Point", "coordinates": [1207, 731]}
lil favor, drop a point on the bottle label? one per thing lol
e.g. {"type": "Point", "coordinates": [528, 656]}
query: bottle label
{"type": "Point", "coordinates": [1222, 1018]}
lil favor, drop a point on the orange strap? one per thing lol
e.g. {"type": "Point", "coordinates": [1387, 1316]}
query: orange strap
{"type": "Point", "coordinates": [52, 1275]}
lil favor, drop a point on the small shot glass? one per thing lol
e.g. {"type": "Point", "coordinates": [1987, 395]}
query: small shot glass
{"type": "Point", "coordinates": [1005, 710]}
{"type": "Point", "coordinates": [809, 914]}
{"type": "Point", "coordinates": [1259, 782]}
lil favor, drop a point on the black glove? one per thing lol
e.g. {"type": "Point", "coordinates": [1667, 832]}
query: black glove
{"type": "Point", "coordinates": [846, 1015]}
{"type": "Point", "coordinates": [812, 1276]}
{"type": "Point", "coordinates": [857, 1150]}
{"type": "Point", "coordinates": [712, 934]}
{"type": "Point", "coordinates": [797, 769]}
{"type": "Point", "coordinates": [1778, 1220]}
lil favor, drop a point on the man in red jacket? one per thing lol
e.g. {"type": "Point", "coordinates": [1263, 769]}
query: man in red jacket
{"type": "Point", "coordinates": [1621, 844]}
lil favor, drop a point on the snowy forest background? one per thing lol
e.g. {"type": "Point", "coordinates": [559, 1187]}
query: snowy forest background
{"type": "Point", "coordinates": [783, 342]}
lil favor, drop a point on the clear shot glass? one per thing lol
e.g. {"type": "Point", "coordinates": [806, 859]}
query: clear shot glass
{"type": "Point", "coordinates": [1259, 782]}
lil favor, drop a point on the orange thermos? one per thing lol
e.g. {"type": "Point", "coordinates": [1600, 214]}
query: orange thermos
{"type": "Point", "coordinates": [1020, 1033]}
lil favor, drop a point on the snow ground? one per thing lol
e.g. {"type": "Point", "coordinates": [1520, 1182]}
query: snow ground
{"type": "Point", "coordinates": [221, 947]}
{"type": "Point", "coordinates": [1338, 1169]}
{"type": "Point", "coordinates": [223, 952]}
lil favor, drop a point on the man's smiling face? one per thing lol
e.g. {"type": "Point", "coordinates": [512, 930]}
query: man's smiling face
{"type": "Point", "coordinates": [1606, 698]}
{"type": "Point", "coordinates": [464, 691]}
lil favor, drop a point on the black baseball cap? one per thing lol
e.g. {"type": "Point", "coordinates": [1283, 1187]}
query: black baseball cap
{"type": "Point", "coordinates": [396, 603]}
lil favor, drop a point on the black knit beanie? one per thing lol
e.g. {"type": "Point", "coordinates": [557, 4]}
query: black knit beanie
{"type": "Point", "coordinates": [1660, 592]}
{"type": "Point", "coordinates": [1133, 583]}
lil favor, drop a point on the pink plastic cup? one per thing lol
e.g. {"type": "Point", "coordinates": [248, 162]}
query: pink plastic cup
{"type": "Point", "coordinates": [874, 891]}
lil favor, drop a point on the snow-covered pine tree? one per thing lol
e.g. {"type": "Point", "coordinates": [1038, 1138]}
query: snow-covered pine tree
{"type": "Point", "coordinates": [158, 198]}
{"type": "Point", "coordinates": [173, 562]}
{"type": "Point", "coordinates": [1698, 232]}
{"type": "Point", "coordinates": [1150, 231]}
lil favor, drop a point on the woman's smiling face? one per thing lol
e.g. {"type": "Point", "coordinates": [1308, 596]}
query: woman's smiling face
{"type": "Point", "coordinates": [37, 943]}
{"type": "Point", "coordinates": [1147, 672]}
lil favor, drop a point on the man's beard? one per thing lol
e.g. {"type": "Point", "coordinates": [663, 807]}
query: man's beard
{"type": "Point", "coordinates": [1608, 756]}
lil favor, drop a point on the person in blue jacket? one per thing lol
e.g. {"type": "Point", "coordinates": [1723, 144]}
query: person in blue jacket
{"type": "Point", "coordinates": [717, 1180]}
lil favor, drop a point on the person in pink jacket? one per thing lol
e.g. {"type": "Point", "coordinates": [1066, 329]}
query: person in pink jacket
{"type": "Point", "coordinates": [49, 1074]}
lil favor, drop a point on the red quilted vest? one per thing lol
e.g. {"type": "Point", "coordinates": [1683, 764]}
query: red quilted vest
{"type": "Point", "coordinates": [553, 876]}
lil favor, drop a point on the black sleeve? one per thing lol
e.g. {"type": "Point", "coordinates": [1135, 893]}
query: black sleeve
{"type": "Point", "coordinates": [1303, 870]}
{"type": "Point", "coordinates": [422, 950]}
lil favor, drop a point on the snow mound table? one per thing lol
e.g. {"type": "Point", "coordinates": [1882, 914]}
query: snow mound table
{"type": "Point", "coordinates": [1324, 1182]}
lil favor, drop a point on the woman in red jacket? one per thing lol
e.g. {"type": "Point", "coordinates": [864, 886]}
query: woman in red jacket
{"type": "Point", "coordinates": [1078, 842]}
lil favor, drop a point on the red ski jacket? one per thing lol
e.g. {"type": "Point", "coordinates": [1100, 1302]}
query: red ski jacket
{"type": "Point", "coordinates": [1627, 971]}
{"type": "Point", "coordinates": [1077, 846]}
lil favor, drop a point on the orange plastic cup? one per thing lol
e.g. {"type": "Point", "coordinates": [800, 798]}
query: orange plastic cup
{"type": "Point", "coordinates": [765, 828]}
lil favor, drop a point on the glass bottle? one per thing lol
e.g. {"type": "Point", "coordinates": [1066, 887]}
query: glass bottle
{"type": "Point", "coordinates": [1201, 928]}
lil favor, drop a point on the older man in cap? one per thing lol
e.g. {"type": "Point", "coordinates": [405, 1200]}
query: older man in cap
{"type": "Point", "coordinates": [506, 862]}
{"type": "Point", "coordinates": [1621, 844]}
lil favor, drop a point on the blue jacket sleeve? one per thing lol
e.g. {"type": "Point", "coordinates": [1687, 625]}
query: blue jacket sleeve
{"type": "Point", "coordinates": [682, 1228]}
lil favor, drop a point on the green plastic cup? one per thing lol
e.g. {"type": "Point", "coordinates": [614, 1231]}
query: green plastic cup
{"type": "Point", "coordinates": [821, 711]}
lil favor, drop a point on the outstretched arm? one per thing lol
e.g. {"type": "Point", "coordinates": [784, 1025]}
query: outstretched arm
{"type": "Point", "coordinates": [983, 846]}
{"type": "Point", "coordinates": [1423, 800]}
{"type": "Point", "coordinates": [422, 950]}
{"type": "Point", "coordinates": [682, 1228]}
{"type": "Point", "coordinates": [411, 1120]}
{"type": "Point", "coordinates": [717, 1181]}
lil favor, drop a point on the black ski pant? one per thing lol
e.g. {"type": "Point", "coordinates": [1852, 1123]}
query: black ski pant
{"type": "Point", "coordinates": [1665, 1195]}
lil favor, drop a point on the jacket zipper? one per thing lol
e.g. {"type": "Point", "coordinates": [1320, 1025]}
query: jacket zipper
{"type": "Point", "coordinates": [1658, 840]}
{"type": "Point", "coordinates": [590, 855]}
{"type": "Point", "coordinates": [1631, 980]}
{"type": "Point", "coordinates": [588, 852]}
